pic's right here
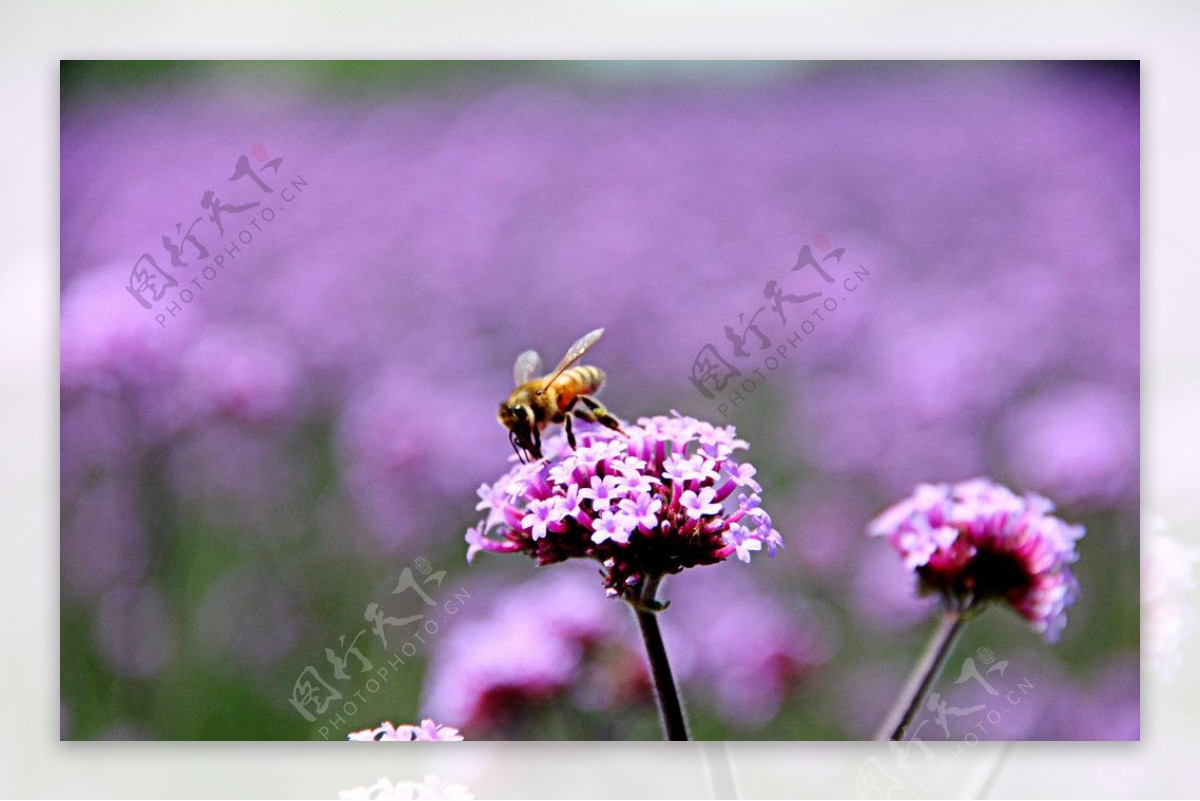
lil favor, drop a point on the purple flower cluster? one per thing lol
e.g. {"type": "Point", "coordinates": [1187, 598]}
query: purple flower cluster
{"type": "Point", "coordinates": [663, 497]}
{"type": "Point", "coordinates": [425, 730]}
{"type": "Point", "coordinates": [976, 541]}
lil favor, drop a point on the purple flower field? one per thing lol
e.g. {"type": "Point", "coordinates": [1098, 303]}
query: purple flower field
{"type": "Point", "coordinates": [293, 293]}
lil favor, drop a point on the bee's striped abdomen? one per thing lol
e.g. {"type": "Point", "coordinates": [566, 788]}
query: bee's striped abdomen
{"type": "Point", "coordinates": [581, 380]}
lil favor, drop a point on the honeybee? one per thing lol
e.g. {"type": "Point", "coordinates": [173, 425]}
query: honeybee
{"type": "Point", "coordinates": [538, 402]}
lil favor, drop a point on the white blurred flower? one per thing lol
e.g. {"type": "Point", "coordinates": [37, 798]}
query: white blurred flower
{"type": "Point", "coordinates": [431, 787]}
{"type": "Point", "coordinates": [425, 730]}
{"type": "Point", "coordinates": [1168, 577]}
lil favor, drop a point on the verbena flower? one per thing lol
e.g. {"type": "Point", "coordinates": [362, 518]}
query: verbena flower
{"type": "Point", "coordinates": [976, 541]}
{"type": "Point", "coordinates": [665, 496]}
{"type": "Point", "coordinates": [425, 730]}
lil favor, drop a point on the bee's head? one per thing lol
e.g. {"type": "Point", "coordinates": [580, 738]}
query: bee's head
{"type": "Point", "coordinates": [518, 419]}
{"type": "Point", "coordinates": [514, 416]}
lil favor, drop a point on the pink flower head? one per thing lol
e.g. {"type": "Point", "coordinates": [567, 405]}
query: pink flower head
{"type": "Point", "coordinates": [977, 541]}
{"type": "Point", "coordinates": [425, 730]}
{"type": "Point", "coordinates": [648, 503]}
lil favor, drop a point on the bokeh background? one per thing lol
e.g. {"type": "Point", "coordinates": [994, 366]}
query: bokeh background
{"type": "Point", "coordinates": [237, 485]}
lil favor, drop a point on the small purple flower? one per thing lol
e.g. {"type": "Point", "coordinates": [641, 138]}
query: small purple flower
{"type": "Point", "coordinates": [525, 480]}
{"type": "Point", "coordinates": [976, 541]}
{"type": "Point", "coordinates": [680, 469]}
{"type": "Point", "coordinates": [632, 481]}
{"type": "Point", "coordinates": [602, 491]}
{"type": "Point", "coordinates": [562, 472]}
{"type": "Point", "coordinates": [493, 498]}
{"type": "Point", "coordinates": [742, 541]}
{"type": "Point", "coordinates": [569, 502]}
{"type": "Point", "coordinates": [719, 442]}
{"type": "Point", "coordinates": [478, 541]}
{"type": "Point", "coordinates": [645, 504]}
{"type": "Point", "coordinates": [616, 526]}
{"type": "Point", "coordinates": [642, 508]}
{"type": "Point", "coordinates": [425, 730]}
{"type": "Point", "coordinates": [743, 476]}
{"type": "Point", "coordinates": [588, 456]}
{"type": "Point", "coordinates": [629, 467]}
{"type": "Point", "coordinates": [700, 504]}
{"type": "Point", "coordinates": [539, 515]}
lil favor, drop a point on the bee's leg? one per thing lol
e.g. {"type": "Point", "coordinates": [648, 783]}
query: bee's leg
{"type": "Point", "coordinates": [537, 442]}
{"type": "Point", "coordinates": [601, 414]}
{"type": "Point", "coordinates": [566, 421]}
{"type": "Point", "coordinates": [570, 431]}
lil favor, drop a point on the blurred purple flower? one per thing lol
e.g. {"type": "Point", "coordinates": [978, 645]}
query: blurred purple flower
{"type": "Point", "coordinates": [750, 651]}
{"type": "Point", "coordinates": [426, 730]}
{"type": "Point", "coordinates": [109, 356]}
{"type": "Point", "coordinates": [1078, 443]}
{"type": "Point", "coordinates": [403, 459]}
{"type": "Point", "coordinates": [664, 497]}
{"type": "Point", "coordinates": [243, 373]}
{"type": "Point", "coordinates": [104, 344]}
{"type": "Point", "coordinates": [530, 647]}
{"type": "Point", "coordinates": [976, 541]}
{"type": "Point", "coordinates": [743, 651]}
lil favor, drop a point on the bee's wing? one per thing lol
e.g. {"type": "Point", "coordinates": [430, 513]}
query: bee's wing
{"type": "Point", "coordinates": [575, 352]}
{"type": "Point", "coordinates": [528, 365]}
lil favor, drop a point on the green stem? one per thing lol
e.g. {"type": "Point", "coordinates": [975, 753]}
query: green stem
{"type": "Point", "coordinates": [923, 676]}
{"type": "Point", "coordinates": [669, 706]}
